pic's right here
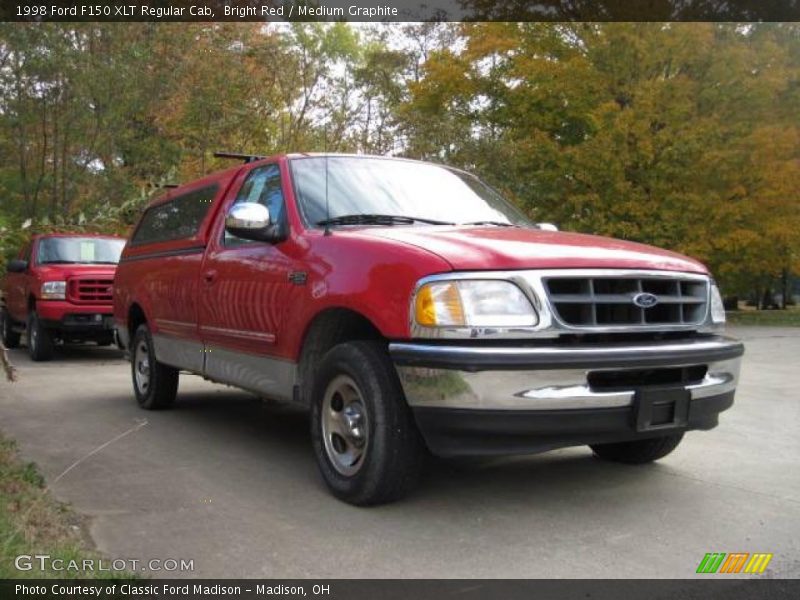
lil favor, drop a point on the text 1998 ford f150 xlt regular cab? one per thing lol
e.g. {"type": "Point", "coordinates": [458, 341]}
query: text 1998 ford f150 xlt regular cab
{"type": "Point", "coordinates": [411, 308]}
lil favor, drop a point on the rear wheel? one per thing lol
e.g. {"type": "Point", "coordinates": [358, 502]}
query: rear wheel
{"type": "Point", "coordinates": [10, 337]}
{"type": "Point", "coordinates": [639, 451]}
{"type": "Point", "coordinates": [155, 384]}
{"type": "Point", "coordinates": [366, 442]}
{"type": "Point", "coordinates": [40, 342]}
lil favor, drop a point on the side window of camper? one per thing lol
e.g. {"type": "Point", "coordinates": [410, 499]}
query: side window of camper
{"type": "Point", "coordinates": [175, 219]}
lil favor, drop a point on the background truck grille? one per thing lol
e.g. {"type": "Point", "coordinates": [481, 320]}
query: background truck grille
{"type": "Point", "coordinates": [602, 301]}
{"type": "Point", "coordinates": [90, 291]}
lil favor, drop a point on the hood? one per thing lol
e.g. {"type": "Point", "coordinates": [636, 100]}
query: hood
{"type": "Point", "coordinates": [54, 272]}
{"type": "Point", "coordinates": [484, 248]}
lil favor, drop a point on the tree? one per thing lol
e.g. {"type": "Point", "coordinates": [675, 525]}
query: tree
{"type": "Point", "coordinates": [678, 135]}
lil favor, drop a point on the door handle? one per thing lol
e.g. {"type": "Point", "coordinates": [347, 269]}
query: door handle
{"type": "Point", "coordinates": [210, 275]}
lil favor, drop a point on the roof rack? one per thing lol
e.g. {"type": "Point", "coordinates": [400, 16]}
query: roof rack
{"type": "Point", "coordinates": [247, 158]}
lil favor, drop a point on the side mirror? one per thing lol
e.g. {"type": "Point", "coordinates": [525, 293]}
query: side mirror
{"type": "Point", "coordinates": [17, 266]}
{"type": "Point", "coordinates": [251, 221]}
{"type": "Point", "coordinates": [547, 226]}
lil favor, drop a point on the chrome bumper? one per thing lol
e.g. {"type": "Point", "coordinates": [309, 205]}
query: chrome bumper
{"type": "Point", "coordinates": [552, 377]}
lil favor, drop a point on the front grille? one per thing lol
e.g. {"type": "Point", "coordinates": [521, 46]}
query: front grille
{"type": "Point", "coordinates": [90, 291]}
{"type": "Point", "coordinates": [608, 301]}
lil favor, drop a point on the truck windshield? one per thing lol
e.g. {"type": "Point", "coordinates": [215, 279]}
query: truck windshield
{"type": "Point", "coordinates": [380, 191]}
{"type": "Point", "coordinates": [79, 250]}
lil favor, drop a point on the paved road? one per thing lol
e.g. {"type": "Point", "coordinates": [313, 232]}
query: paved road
{"type": "Point", "coordinates": [230, 482]}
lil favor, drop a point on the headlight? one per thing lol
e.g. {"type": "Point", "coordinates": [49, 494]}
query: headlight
{"type": "Point", "coordinates": [473, 303]}
{"type": "Point", "coordinates": [717, 307]}
{"type": "Point", "coordinates": [54, 290]}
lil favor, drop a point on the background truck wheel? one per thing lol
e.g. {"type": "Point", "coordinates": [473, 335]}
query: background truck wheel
{"type": "Point", "coordinates": [155, 384]}
{"type": "Point", "coordinates": [10, 337]}
{"type": "Point", "coordinates": [639, 451]}
{"type": "Point", "coordinates": [40, 342]}
{"type": "Point", "coordinates": [365, 440]}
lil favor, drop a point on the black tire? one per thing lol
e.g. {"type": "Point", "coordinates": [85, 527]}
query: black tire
{"type": "Point", "coordinates": [10, 337]}
{"type": "Point", "coordinates": [161, 385]}
{"type": "Point", "coordinates": [40, 342]}
{"type": "Point", "coordinates": [393, 452]}
{"type": "Point", "coordinates": [639, 451]}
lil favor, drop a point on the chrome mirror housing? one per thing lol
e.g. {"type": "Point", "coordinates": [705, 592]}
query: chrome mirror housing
{"type": "Point", "coordinates": [251, 221]}
{"type": "Point", "coordinates": [547, 226]}
{"type": "Point", "coordinates": [248, 216]}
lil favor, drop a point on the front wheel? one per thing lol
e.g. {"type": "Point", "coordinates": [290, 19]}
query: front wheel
{"type": "Point", "coordinates": [365, 440]}
{"type": "Point", "coordinates": [154, 383]}
{"type": "Point", "coordinates": [10, 337]}
{"type": "Point", "coordinates": [40, 342]}
{"type": "Point", "coordinates": [639, 451]}
{"type": "Point", "coordinates": [105, 341]}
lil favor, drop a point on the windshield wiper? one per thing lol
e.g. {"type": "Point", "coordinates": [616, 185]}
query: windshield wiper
{"type": "Point", "coordinates": [372, 219]}
{"type": "Point", "coordinates": [498, 223]}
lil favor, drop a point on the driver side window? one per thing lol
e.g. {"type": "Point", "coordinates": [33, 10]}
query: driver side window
{"type": "Point", "coordinates": [262, 186]}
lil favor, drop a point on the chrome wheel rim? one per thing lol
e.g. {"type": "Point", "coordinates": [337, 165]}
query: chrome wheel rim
{"type": "Point", "coordinates": [345, 425]}
{"type": "Point", "coordinates": [141, 367]}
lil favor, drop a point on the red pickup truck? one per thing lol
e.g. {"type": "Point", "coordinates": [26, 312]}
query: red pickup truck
{"type": "Point", "coordinates": [59, 288]}
{"type": "Point", "coordinates": [412, 309]}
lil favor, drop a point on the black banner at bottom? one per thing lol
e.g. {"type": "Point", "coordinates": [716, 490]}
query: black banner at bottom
{"type": "Point", "coordinates": [402, 589]}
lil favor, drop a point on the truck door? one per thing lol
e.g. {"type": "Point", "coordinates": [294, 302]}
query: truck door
{"type": "Point", "coordinates": [17, 287]}
{"type": "Point", "coordinates": [245, 295]}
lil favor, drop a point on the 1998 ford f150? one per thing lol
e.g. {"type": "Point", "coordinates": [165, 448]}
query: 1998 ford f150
{"type": "Point", "coordinates": [412, 309]}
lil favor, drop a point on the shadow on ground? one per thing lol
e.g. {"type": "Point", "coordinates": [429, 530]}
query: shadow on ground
{"type": "Point", "coordinates": [282, 433]}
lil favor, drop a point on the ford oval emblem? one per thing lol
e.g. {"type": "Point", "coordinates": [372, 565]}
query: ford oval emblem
{"type": "Point", "coordinates": [645, 300]}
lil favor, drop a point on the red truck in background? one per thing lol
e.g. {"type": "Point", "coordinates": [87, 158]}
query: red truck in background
{"type": "Point", "coordinates": [59, 288]}
{"type": "Point", "coordinates": [410, 308]}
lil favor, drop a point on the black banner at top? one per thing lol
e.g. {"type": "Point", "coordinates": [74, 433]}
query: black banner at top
{"type": "Point", "coordinates": [400, 10]}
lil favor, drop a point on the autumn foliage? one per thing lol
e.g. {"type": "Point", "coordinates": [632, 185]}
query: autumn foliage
{"type": "Point", "coordinates": [685, 136]}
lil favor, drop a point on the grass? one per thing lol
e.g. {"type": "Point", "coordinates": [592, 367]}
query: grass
{"type": "Point", "coordinates": [777, 318]}
{"type": "Point", "coordinates": [33, 523]}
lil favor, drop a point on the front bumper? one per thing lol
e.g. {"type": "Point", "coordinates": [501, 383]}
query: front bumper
{"type": "Point", "coordinates": [496, 400]}
{"type": "Point", "coordinates": [76, 320]}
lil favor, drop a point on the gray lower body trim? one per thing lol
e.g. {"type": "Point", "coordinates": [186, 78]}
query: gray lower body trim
{"type": "Point", "coordinates": [263, 375]}
{"type": "Point", "coordinates": [179, 352]}
{"type": "Point", "coordinates": [267, 376]}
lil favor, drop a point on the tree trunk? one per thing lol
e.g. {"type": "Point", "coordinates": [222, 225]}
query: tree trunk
{"type": "Point", "coordinates": [785, 291]}
{"type": "Point", "coordinates": [766, 301]}
{"type": "Point", "coordinates": [42, 162]}
{"type": "Point", "coordinates": [54, 183]}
